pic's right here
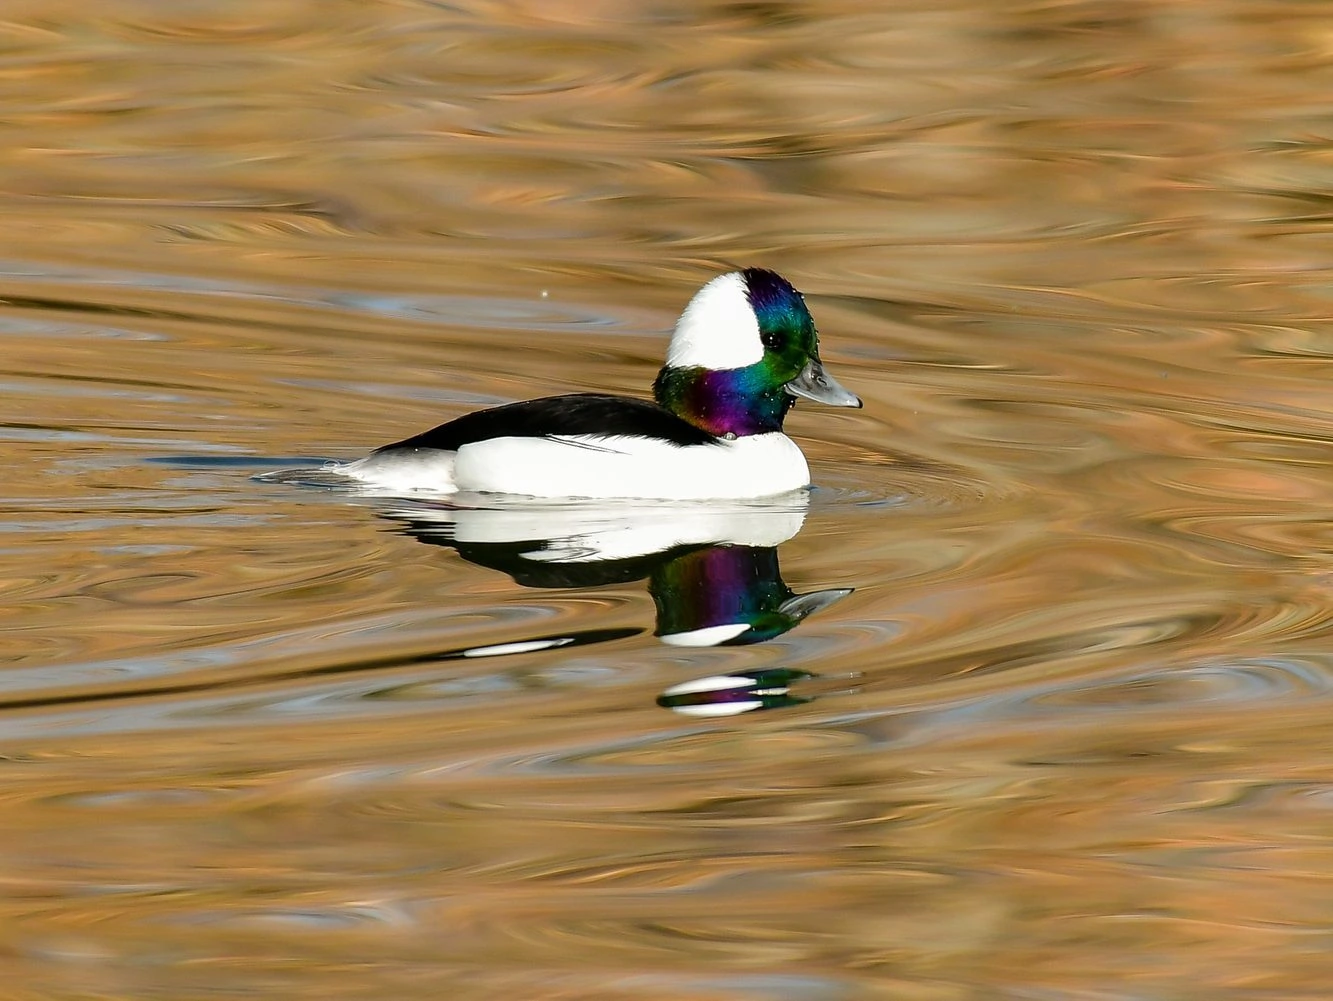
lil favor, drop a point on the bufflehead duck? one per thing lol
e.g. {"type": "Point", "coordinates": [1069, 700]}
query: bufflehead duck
{"type": "Point", "coordinates": [742, 352]}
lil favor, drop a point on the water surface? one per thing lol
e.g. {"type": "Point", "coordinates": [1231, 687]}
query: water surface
{"type": "Point", "coordinates": [1056, 728]}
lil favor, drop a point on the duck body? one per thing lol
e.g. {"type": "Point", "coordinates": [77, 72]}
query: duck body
{"type": "Point", "coordinates": [742, 352]}
{"type": "Point", "coordinates": [586, 445]}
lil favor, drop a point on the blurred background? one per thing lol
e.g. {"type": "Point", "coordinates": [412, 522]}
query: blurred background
{"type": "Point", "coordinates": [1057, 724]}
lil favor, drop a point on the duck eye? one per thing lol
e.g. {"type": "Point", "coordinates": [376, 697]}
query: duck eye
{"type": "Point", "coordinates": [773, 339]}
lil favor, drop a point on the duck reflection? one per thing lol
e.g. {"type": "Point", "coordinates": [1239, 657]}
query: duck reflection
{"type": "Point", "coordinates": [729, 595]}
{"type": "Point", "coordinates": [712, 571]}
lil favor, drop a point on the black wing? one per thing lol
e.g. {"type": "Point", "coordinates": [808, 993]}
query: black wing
{"type": "Point", "coordinates": [579, 413]}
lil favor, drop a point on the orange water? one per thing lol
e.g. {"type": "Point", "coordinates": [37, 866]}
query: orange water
{"type": "Point", "coordinates": [1070, 737]}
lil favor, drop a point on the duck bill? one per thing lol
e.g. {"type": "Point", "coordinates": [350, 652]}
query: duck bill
{"type": "Point", "coordinates": [814, 383]}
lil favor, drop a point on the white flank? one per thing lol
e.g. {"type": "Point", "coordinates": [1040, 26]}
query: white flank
{"type": "Point", "coordinates": [591, 466]}
{"type": "Point", "coordinates": [616, 530]}
{"type": "Point", "coordinates": [718, 328]}
{"type": "Point", "coordinates": [761, 465]}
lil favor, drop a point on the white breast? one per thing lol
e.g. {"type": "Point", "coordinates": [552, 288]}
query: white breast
{"type": "Point", "coordinates": [593, 466]}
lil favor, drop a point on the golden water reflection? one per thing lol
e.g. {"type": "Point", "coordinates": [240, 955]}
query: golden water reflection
{"type": "Point", "coordinates": [1071, 734]}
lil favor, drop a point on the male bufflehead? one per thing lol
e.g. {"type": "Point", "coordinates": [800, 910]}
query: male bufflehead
{"type": "Point", "coordinates": [743, 350]}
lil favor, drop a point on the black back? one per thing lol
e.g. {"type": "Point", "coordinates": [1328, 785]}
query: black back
{"type": "Point", "coordinates": [578, 413]}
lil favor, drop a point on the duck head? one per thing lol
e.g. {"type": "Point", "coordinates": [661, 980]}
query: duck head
{"type": "Point", "coordinates": [744, 349]}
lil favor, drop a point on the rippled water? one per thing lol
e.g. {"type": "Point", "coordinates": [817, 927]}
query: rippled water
{"type": "Point", "coordinates": [1046, 657]}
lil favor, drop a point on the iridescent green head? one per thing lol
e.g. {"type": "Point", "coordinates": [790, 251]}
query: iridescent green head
{"type": "Point", "coordinates": [743, 350]}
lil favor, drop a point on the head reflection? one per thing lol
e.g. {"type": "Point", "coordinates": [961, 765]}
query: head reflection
{"type": "Point", "coordinates": [712, 570]}
{"type": "Point", "coordinates": [728, 595]}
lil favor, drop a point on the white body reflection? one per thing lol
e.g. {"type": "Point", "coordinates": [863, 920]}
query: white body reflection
{"type": "Point", "coordinates": [607, 531]}
{"type": "Point", "coordinates": [712, 568]}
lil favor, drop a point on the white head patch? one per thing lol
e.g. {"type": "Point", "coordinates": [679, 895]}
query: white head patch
{"type": "Point", "coordinates": [718, 328]}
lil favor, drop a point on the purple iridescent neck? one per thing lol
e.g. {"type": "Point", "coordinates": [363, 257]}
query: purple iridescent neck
{"type": "Point", "coordinates": [735, 401]}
